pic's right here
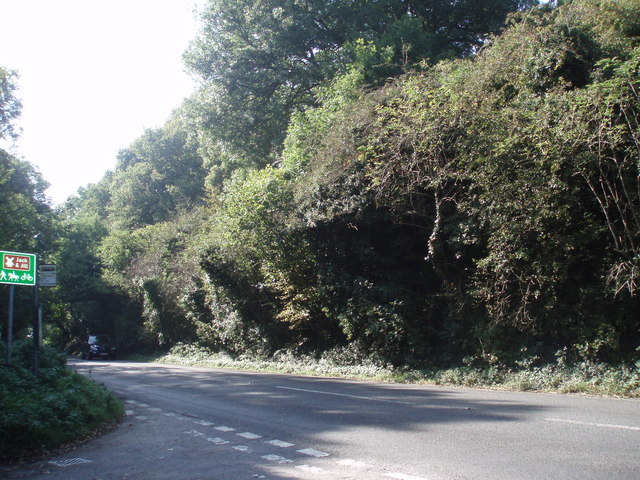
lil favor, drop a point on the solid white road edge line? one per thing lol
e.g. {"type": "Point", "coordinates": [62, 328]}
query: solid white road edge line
{"type": "Point", "coordinates": [592, 424]}
{"type": "Point", "coordinates": [372, 399]}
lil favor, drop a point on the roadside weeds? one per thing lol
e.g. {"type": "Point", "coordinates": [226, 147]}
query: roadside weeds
{"type": "Point", "coordinates": [586, 378]}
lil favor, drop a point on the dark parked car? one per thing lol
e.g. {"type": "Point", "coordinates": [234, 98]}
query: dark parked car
{"type": "Point", "coordinates": [99, 346]}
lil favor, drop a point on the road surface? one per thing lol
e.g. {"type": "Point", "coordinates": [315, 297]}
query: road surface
{"type": "Point", "coordinates": [196, 423]}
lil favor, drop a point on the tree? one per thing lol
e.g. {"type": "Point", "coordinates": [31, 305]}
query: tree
{"type": "Point", "coordinates": [519, 161]}
{"type": "Point", "coordinates": [160, 172]}
{"type": "Point", "coordinates": [26, 219]}
{"type": "Point", "coordinates": [260, 61]}
{"type": "Point", "coordinates": [10, 106]}
{"type": "Point", "coordinates": [25, 214]}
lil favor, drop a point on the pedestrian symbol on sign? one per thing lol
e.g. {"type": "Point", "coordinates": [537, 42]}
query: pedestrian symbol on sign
{"type": "Point", "coordinates": [18, 268]}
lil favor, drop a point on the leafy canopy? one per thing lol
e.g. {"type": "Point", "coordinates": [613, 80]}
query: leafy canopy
{"type": "Point", "coordinates": [260, 61]}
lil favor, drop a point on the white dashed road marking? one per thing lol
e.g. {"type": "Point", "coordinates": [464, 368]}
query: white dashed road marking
{"type": "Point", "coordinates": [402, 476]}
{"type": "Point", "coordinates": [277, 458]}
{"type": "Point", "coordinates": [313, 452]}
{"type": "Point", "coordinates": [280, 443]}
{"type": "Point", "coordinates": [222, 428]}
{"type": "Point", "coordinates": [203, 423]}
{"type": "Point", "coordinates": [217, 440]}
{"type": "Point", "coordinates": [242, 448]}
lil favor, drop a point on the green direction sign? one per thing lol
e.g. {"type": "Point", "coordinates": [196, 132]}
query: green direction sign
{"type": "Point", "coordinates": [18, 268]}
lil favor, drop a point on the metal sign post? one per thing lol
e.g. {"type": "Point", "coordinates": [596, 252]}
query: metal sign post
{"type": "Point", "coordinates": [21, 269]}
{"type": "Point", "coordinates": [10, 325]}
{"type": "Point", "coordinates": [36, 331]}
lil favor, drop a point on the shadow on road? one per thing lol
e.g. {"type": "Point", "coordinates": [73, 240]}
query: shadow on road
{"type": "Point", "coordinates": [321, 414]}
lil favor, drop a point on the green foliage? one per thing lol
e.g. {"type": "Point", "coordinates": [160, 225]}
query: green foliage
{"type": "Point", "coordinates": [344, 362]}
{"type": "Point", "coordinates": [26, 219]}
{"type": "Point", "coordinates": [584, 377]}
{"type": "Point", "coordinates": [58, 407]}
{"type": "Point", "coordinates": [157, 266]}
{"type": "Point", "coordinates": [159, 173]}
{"type": "Point", "coordinates": [10, 106]}
{"type": "Point", "coordinates": [581, 375]}
{"type": "Point", "coordinates": [84, 299]}
{"type": "Point", "coordinates": [517, 183]}
{"type": "Point", "coordinates": [256, 255]}
{"type": "Point", "coordinates": [563, 154]}
{"type": "Point", "coordinates": [27, 223]}
{"type": "Point", "coordinates": [305, 201]}
{"type": "Point", "coordinates": [261, 61]}
{"type": "Point", "coordinates": [109, 224]}
{"type": "Point", "coordinates": [25, 214]}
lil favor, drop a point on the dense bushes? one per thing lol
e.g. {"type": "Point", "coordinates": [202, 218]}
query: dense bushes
{"type": "Point", "coordinates": [467, 209]}
{"type": "Point", "coordinates": [523, 166]}
{"type": "Point", "coordinates": [44, 412]}
{"type": "Point", "coordinates": [470, 209]}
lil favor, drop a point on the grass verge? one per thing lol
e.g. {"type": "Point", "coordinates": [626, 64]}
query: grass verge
{"type": "Point", "coordinates": [46, 412]}
{"type": "Point", "coordinates": [584, 378]}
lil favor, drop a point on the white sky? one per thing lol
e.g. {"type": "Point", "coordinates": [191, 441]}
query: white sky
{"type": "Point", "coordinates": [94, 74]}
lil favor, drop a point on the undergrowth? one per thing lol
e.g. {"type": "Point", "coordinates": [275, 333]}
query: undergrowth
{"type": "Point", "coordinates": [45, 412]}
{"type": "Point", "coordinates": [586, 377]}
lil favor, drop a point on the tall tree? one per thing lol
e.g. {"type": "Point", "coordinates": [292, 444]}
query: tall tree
{"type": "Point", "coordinates": [25, 214]}
{"type": "Point", "coordinates": [159, 173]}
{"type": "Point", "coordinates": [26, 219]}
{"type": "Point", "coordinates": [10, 105]}
{"type": "Point", "coordinates": [24, 209]}
{"type": "Point", "coordinates": [260, 61]}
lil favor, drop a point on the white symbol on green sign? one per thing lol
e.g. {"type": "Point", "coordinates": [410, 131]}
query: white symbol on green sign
{"type": "Point", "coordinates": [18, 268]}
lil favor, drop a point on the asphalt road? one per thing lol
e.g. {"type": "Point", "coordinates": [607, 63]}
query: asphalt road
{"type": "Point", "coordinates": [195, 423]}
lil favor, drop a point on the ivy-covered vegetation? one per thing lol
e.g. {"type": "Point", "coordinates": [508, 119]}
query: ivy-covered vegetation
{"type": "Point", "coordinates": [422, 184]}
